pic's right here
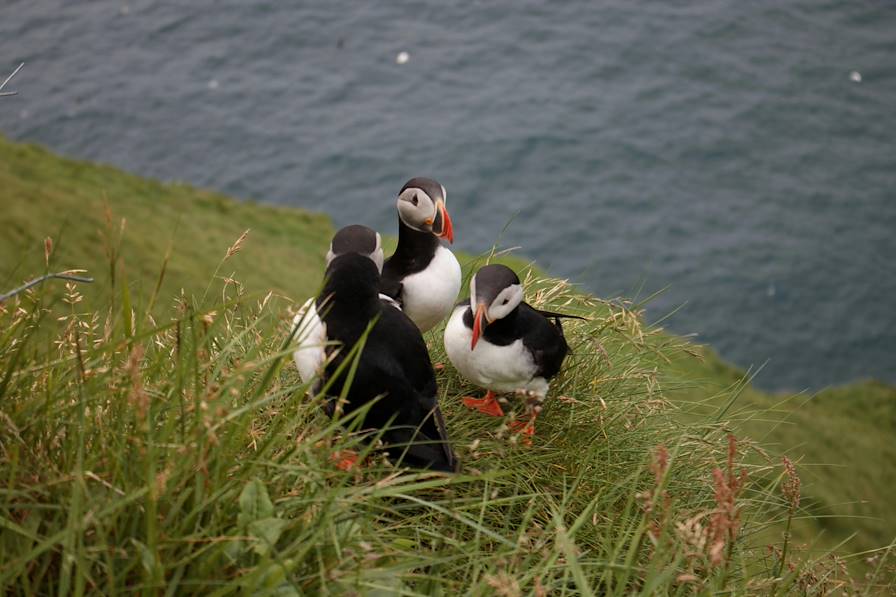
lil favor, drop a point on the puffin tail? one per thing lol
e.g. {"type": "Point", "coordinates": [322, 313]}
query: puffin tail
{"type": "Point", "coordinates": [450, 458]}
{"type": "Point", "coordinates": [424, 447]}
{"type": "Point", "coordinates": [558, 322]}
{"type": "Point", "coordinates": [558, 316]}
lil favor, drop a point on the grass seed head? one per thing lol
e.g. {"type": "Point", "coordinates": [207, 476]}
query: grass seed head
{"type": "Point", "coordinates": [48, 250]}
{"type": "Point", "coordinates": [791, 486]}
{"type": "Point", "coordinates": [137, 396]}
{"type": "Point", "coordinates": [725, 521]}
{"type": "Point", "coordinates": [503, 584]}
{"type": "Point", "coordinates": [236, 246]}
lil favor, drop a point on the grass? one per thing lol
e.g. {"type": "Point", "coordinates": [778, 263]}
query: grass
{"type": "Point", "coordinates": [183, 457]}
{"type": "Point", "coordinates": [841, 438]}
{"type": "Point", "coordinates": [158, 440]}
{"type": "Point", "coordinates": [87, 209]}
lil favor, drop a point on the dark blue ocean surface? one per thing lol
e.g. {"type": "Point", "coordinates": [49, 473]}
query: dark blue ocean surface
{"type": "Point", "coordinates": [741, 153]}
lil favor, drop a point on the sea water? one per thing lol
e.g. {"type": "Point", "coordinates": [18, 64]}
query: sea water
{"type": "Point", "coordinates": [741, 155]}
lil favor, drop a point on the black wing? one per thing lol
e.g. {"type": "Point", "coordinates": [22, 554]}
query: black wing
{"type": "Point", "coordinates": [413, 427]}
{"type": "Point", "coordinates": [391, 287]}
{"type": "Point", "coordinates": [396, 371]}
{"type": "Point", "coordinates": [560, 315]}
{"type": "Point", "coordinates": [417, 436]}
{"type": "Point", "coordinates": [544, 340]}
{"type": "Point", "coordinates": [396, 335]}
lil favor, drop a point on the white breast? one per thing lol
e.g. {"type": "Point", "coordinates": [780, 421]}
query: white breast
{"type": "Point", "coordinates": [429, 295]}
{"type": "Point", "coordinates": [508, 368]}
{"type": "Point", "coordinates": [311, 337]}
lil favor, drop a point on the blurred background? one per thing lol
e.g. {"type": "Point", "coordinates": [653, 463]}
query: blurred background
{"type": "Point", "coordinates": [740, 155]}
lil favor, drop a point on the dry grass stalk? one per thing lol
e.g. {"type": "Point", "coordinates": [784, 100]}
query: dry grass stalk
{"type": "Point", "coordinates": [236, 246]}
{"type": "Point", "coordinates": [48, 250]}
{"type": "Point", "coordinates": [791, 490]}
{"type": "Point", "coordinates": [692, 534]}
{"type": "Point", "coordinates": [504, 584]}
{"type": "Point", "coordinates": [137, 396]}
{"type": "Point", "coordinates": [656, 501]}
{"type": "Point", "coordinates": [8, 79]}
{"type": "Point", "coordinates": [724, 523]}
{"type": "Point", "coordinates": [72, 296]}
{"type": "Point", "coordinates": [791, 486]}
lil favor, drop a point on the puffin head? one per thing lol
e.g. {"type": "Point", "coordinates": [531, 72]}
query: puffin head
{"type": "Point", "coordinates": [421, 206]}
{"type": "Point", "coordinates": [357, 239]}
{"type": "Point", "coordinates": [495, 291]}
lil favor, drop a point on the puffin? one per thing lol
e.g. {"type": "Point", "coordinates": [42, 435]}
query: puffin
{"type": "Point", "coordinates": [393, 370]}
{"type": "Point", "coordinates": [423, 276]}
{"type": "Point", "coordinates": [309, 331]}
{"type": "Point", "coordinates": [501, 343]}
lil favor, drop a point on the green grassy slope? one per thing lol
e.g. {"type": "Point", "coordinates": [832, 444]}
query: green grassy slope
{"type": "Point", "coordinates": [43, 195]}
{"type": "Point", "coordinates": [842, 438]}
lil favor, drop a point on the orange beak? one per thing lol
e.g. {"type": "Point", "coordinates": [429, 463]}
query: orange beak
{"type": "Point", "coordinates": [477, 325]}
{"type": "Point", "coordinates": [447, 229]}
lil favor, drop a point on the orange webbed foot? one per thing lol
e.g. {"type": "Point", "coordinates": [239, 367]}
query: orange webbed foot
{"type": "Point", "coordinates": [345, 460]}
{"type": "Point", "coordinates": [487, 405]}
{"type": "Point", "coordinates": [526, 429]}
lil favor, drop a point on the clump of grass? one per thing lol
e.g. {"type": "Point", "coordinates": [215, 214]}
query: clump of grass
{"type": "Point", "coordinates": [175, 451]}
{"type": "Point", "coordinates": [841, 437]}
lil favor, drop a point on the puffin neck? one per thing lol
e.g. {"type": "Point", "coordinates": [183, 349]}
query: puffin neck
{"type": "Point", "coordinates": [351, 288]}
{"type": "Point", "coordinates": [412, 243]}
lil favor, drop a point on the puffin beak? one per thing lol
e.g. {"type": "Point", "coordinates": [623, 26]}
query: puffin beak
{"type": "Point", "coordinates": [477, 325]}
{"type": "Point", "coordinates": [441, 225]}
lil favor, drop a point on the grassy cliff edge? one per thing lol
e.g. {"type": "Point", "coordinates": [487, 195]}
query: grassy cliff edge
{"type": "Point", "coordinates": [628, 395]}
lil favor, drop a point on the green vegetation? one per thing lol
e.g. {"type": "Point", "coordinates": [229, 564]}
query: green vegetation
{"type": "Point", "coordinates": [842, 439]}
{"type": "Point", "coordinates": [156, 439]}
{"type": "Point", "coordinates": [87, 208]}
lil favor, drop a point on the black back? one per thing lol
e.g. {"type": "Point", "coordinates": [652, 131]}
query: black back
{"type": "Point", "coordinates": [542, 338]}
{"type": "Point", "coordinates": [413, 254]}
{"type": "Point", "coordinates": [394, 366]}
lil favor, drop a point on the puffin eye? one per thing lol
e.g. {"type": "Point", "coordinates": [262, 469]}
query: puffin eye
{"type": "Point", "coordinates": [505, 301]}
{"type": "Point", "coordinates": [414, 200]}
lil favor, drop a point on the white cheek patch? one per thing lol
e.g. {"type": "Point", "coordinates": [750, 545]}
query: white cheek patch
{"type": "Point", "coordinates": [415, 216]}
{"type": "Point", "coordinates": [377, 257]}
{"type": "Point", "coordinates": [473, 294]}
{"type": "Point", "coordinates": [377, 254]}
{"type": "Point", "coordinates": [506, 301]}
{"type": "Point", "coordinates": [330, 255]}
